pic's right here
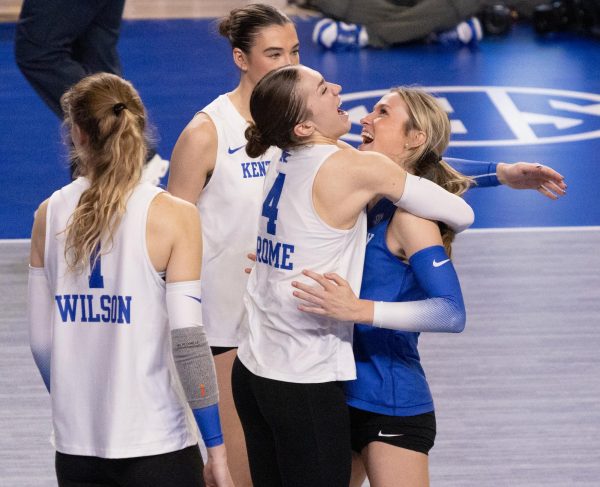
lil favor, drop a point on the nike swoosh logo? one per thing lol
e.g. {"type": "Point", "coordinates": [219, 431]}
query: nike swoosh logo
{"type": "Point", "coordinates": [194, 298]}
{"type": "Point", "coordinates": [233, 151]}
{"type": "Point", "coordinates": [438, 264]}
{"type": "Point", "coordinates": [384, 435]}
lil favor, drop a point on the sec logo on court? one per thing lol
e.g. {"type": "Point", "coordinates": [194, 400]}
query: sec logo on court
{"type": "Point", "coordinates": [483, 116]}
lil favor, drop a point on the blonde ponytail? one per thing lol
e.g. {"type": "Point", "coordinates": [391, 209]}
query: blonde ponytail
{"type": "Point", "coordinates": [426, 114]}
{"type": "Point", "coordinates": [110, 113]}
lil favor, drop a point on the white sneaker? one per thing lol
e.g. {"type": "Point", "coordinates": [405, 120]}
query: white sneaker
{"type": "Point", "coordinates": [339, 36]}
{"type": "Point", "coordinates": [154, 170]}
{"type": "Point", "coordinates": [467, 33]}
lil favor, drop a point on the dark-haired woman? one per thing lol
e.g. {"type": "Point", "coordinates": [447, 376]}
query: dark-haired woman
{"type": "Point", "coordinates": [210, 168]}
{"type": "Point", "coordinates": [287, 379]}
{"type": "Point", "coordinates": [122, 353]}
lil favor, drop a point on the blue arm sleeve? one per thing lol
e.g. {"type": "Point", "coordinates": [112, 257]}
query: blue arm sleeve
{"type": "Point", "coordinates": [483, 173]}
{"type": "Point", "coordinates": [209, 425]}
{"type": "Point", "coordinates": [443, 311]}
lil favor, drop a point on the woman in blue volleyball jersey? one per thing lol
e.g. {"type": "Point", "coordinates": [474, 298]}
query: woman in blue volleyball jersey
{"type": "Point", "coordinates": [407, 270]}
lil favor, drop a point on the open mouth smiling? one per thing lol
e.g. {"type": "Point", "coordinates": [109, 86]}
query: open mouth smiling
{"type": "Point", "coordinates": [367, 138]}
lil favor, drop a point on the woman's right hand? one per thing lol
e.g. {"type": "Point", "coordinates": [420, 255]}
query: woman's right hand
{"type": "Point", "coordinates": [333, 298]}
{"type": "Point", "coordinates": [216, 470]}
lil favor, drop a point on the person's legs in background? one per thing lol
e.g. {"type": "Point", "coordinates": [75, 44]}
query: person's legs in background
{"type": "Point", "coordinates": [59, 42]}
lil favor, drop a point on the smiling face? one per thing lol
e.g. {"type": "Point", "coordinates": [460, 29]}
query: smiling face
{"type": "Point", "coordinates": [323, 105]}
{"type": "Point", "coordinates": [274, 46]}
{"type": "Point", "coordinates": [406, 125]}
{"type": "Point", "coordinates": [384, 130]}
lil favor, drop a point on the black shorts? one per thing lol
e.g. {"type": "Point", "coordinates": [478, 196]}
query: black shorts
{"type": "Point", "coordinates": [219, 350]}
{"type": "Point", "coordinates": [182, 468]}
{"type": "Point", "coordinates": [415, 433]}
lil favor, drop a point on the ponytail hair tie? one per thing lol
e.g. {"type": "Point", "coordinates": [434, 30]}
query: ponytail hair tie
{"type": "Point", "coordinates": [118, 108]}
{"type": "Point", "coordinates": [430, 158]}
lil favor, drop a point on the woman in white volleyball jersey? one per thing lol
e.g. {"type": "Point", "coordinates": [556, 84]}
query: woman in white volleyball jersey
{"type": "Point", "coordinates": [286, 379]}
{"type": "Point", "coordinates": [210, 168]}
{"type": "Point", "coordinates": [122, 352]}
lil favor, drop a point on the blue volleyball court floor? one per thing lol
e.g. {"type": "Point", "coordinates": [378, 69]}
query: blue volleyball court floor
{"type": "Point", "coordinates": [514, 98]}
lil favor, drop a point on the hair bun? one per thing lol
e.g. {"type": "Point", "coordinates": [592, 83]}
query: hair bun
{"type": "Point", "coordinates": [256, 145]}
{"type": "Point", "coordinates": [225, 26]}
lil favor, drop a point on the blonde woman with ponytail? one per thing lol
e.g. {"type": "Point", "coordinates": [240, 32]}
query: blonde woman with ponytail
{"type": "Point", "coordinates": [115, 312]}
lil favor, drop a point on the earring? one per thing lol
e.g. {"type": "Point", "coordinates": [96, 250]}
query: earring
{"type": "Point", "coordinates": [406, 146]}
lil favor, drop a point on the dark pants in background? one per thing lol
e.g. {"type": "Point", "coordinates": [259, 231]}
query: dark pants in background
{"type": "Point", "coordinates": [390, 22]}
{"type": "Point", "coordinates": [58, 42]}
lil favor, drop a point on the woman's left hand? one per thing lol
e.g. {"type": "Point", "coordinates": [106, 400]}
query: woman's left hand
{"type": "Point", "coordinates": [333, 298]}
{"type": "Point", "coordinates": [526, 175]}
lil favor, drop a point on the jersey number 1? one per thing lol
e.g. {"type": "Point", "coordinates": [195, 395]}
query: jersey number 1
{"type": "Point", "coordinates": [269, 207]}
{"type": "Point", "coordinates": [96, 280]}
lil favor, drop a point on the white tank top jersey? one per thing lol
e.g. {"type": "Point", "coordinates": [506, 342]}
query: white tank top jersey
{"type": "Point", "coordinates": [229, 206]}
{"type": "Point", "coordinates": [281, 342]}
{"type": "Point", "coordinates": [114, 387]}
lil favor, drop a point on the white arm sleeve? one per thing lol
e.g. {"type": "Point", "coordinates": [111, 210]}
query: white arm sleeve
{"type": "Point", "coordinates": [430, 315]}
{"type": "Point", "coordinates": [184, 304]}
{"type": "Point", "coordinates": [425, 199]}
{"type": "Point", "coordinates": [39, 309]}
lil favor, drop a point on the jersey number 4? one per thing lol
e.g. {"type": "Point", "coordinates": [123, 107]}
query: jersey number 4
{"type": "Point", "coordinates": [96, 280]}
{"type": "Point", "coordinates": [269, 207]}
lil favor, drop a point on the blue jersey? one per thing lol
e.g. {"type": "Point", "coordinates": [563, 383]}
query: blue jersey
{"type": "Point", "coordinates": [390, 379]}
{"type": "Point", "coordinates": [384, 209]}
